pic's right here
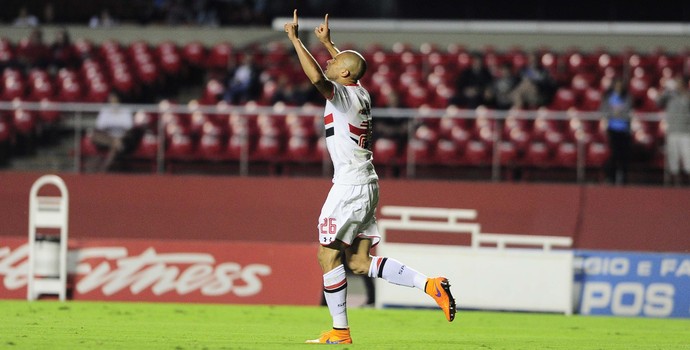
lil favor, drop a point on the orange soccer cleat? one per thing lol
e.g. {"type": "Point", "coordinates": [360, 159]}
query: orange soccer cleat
{"type": "Point", "coordinates": [334, 336]}
{"type": "Point", "coordinates": [439, 289]}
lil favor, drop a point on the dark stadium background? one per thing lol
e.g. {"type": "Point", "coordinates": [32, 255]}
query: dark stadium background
{"type": "Point", "coordinates": [79, 11]}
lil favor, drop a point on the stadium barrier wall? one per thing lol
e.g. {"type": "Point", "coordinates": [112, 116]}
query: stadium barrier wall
{"type": "Point", "coordinates": [495, 272]}
{"type": "Point", "coordinates": [235, 222]}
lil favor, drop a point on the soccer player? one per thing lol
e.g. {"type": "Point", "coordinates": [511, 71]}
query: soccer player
{"type": "Point", "coordinates": [347, 222]}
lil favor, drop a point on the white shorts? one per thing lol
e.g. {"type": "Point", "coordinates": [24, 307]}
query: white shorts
{"type": "Point", "coordinates": [349, 212]}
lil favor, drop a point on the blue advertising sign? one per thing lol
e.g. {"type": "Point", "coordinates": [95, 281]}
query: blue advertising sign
{"type": "Point", "coordinates": [632, 284]}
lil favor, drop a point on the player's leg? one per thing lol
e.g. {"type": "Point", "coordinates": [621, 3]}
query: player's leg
{"type": "Point", "coordinates": [335, 294]}
{"type": "Point", "coordinates": [393, 271]}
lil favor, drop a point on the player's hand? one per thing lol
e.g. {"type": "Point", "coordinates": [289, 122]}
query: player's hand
{"type": "Point", "coordinates": [291, 28]}
{"type": "Point", "coordinates": [323, 33]}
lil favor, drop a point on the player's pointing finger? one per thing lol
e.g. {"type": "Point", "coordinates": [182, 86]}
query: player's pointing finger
{"type": "Point", "coordinates": [294, 16]}
{"type": "Point", "coordinates": [325, 20]}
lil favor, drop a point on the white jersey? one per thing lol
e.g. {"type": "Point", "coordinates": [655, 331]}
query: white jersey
{"type": "Point", "coordinates": [347, 120]}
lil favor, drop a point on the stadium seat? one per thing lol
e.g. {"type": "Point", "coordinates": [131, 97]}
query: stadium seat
{"type": "Point", "coordinates": [147, 147]}
{"type": "Point", "coordinates": [566, 155]}
{"type": "Point", "coordinates": [210, 146]}
{"type": "Point", "coordinates": [69, 90]}
{"type": "Point", "coordinates": [597, 154]}
{"type": "Point", "coordinates": [213, 92]}
{"type": "Point", "coordinates": [537, 154]}
{"type": "Point", "coordinates": [97, 91]}
{"type": "Point", "coordinates": [591, 100]}
{"type": "Point", "coordinates": [5, 131]}
{"type": "Point", "coordinates": [477, 153]}
{"type": "Point", "coordinates": [40, 87]}
{"type": "Point", "coordinates": [385, 151]}
{"type": "Point", "coordinates": [47, 114]}
{"type": "Point", "coordinates": [24, 121]}
{"type": "Point", "coordinates": [446, 151]}
{"type": "Point", "coordinates": [12, 87]}
{"type": "Point", "coordinates": [194, 53]}
{"type": "Point", "coordinates": [220, 55]}
{"type": "Point", "coordinates": [301, 149]}
{"type": "Point", "coordinates": [507, 153]}
{"type": "Point", "coordinates": [180, 147]}
{"type": "Point", "coordinates": [563, 99]}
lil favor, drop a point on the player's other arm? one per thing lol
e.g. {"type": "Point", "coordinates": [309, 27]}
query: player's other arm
{"type": "Point", "coordinates": [323, 33]}
{"type": "Point", "coordinates": [307, 61]}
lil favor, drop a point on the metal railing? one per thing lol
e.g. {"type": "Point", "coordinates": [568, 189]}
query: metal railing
{"type": "Point", "coordinates": [80, 117]}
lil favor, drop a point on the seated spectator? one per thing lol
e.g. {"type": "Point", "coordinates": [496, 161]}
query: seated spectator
{"type": "Point", "coordinates": [62, 53]}
{"type": "Point", "coordinates": [472, 84]}
{"type": "Point", "coordinates": [499, 93]}
{"type": "Point", "coordinates": [25, 19]}
{"type": "Point", "coordinates": [243, 82]}
{"type": "Point", "coordinates": [32, 52]}
{"type": "Point", "coordinates": [114, 132]}
{"type": "Point", "coordinates": [104, 20]}
{"type": "Point", "coordinates": [536, 86]}
{"type": "Point", "coordinates": [388, 126]}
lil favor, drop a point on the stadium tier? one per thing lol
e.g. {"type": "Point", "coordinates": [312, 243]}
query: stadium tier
{"type": "Point", "coordinates": [545, 136]}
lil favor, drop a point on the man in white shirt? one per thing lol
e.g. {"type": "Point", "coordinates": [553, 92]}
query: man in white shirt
{"type": "Point", "coordinates": [113, 125]}
{"type": "Point", "coordinates": [347, 222]}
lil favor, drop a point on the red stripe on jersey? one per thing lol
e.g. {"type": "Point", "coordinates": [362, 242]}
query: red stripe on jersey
{"type": "Point", "coordinates": [337, 285]}
{"type": "Point", "coordinates": [357, 131]}
{"type": "Point", "coordinates": [328, 119]}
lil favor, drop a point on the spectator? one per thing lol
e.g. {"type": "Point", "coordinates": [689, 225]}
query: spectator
{"type": "Point", "coordinates": [104, 20]}
{"type": "Point", "coordinates": [32, 52]}
{"type": "Point", "coordinates": [62, 53]}
{"type": "Point", "coordinates": [114, 132]}
{"type": "Point", "coordinates": [499, 94]}
{"type": "Point", "coordinates": [616, 106]}
{"type": "Point", "coordinates": [243, 81]}
{"type": "Point", "coordinates": [390, 126]}
{"type": "Point", "coordinates": [472, 84]}
{"type": "Point", "coordinates": [25, 19]}
{"type": "Point", "coordinates": [675, 99]}
{"type": "Point", "coordinates": [48, 13]}
{"type": "Point", "coordinates": [178, 13]}
{"type": "Point", "coordinates": [535, 87]}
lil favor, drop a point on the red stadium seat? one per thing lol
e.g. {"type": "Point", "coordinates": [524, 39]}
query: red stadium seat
{"type": "Point", "coordinates": [210, 145]}
{"type": "Point", "coordinates": [24, 121]}
{"type": "Point", "coordinates": [194, 53]}
{"type": "Point", "coordinates": [47, 113]}
{"type": "Point", "coordinates": [147, 147]}
{"type": "Point", "coordinates": [591, 100]}
{"type": "Point", "coordinates": [446, 151]}
{"type": "Point", "coordinates": [507, 152]}
{"type": "Point", "coordinates": [12, 88]}
{"type": "Point", "coordinates": [537, 154]}
{"type": "Point", "coordinates": [220, 55]}
{"type": "Point", "coordinates": [563, 99]}
{"type": "Point", "coordinates": [477, 153]}
{"type": "Point", "coordinates": [566, 155]}
{"type": "Point", "coordinates": [385, 151]}
{"type": "Point", "coordinates": [69, 90]}
{"type": "Point", "coordinates": [597, 154]}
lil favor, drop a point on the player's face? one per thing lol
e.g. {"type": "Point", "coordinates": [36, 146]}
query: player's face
{"type": "Point", "coordinates": [334, 66]}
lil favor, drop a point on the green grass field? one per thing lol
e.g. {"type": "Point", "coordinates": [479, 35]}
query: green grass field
{"type": "Point", "coordinates": [101, 325]}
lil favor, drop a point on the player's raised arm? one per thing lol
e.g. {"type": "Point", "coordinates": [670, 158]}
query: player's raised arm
{"type": "Point", "coordinates": [309, 65]}
{"type": "Point", "coordinates": [323, 33]}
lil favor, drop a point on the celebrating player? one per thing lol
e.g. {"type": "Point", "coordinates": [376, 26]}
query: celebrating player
{"type": "Point", "coordinates": [347, 222]}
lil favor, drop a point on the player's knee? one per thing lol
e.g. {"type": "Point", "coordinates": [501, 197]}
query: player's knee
{"type": "Point", "coordinates": [358, 266]}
